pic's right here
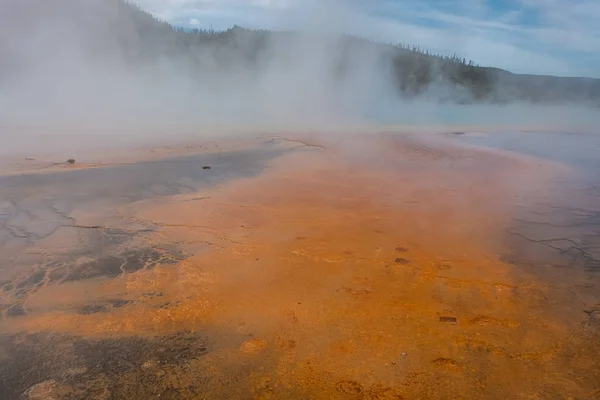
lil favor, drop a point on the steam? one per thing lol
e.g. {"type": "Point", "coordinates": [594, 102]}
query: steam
{"type": "Point", "coordinates": [73, 74]}
{"type": "Point", "coordinates": [96, 67]}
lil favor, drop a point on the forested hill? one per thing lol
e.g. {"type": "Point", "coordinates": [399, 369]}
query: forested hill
{"type": "Point", "coordinates": [115, 29]}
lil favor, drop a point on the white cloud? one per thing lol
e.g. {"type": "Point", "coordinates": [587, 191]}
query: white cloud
{"type": "Point", "coordinates": [532, 36]}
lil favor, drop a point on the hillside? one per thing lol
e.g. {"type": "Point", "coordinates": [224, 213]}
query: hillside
{"type": "Point", "coordinates": [109, 30]}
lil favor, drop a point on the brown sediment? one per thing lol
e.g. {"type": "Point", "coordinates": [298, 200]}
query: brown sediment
{"type": "Point", "coordinates": [371, 269]}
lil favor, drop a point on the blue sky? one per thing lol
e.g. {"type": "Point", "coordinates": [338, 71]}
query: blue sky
{"type": "Point", "coordinates": [559, 37]}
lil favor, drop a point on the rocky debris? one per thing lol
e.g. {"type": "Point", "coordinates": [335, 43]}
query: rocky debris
{"type": "Point", "coordinates": [70, 161]}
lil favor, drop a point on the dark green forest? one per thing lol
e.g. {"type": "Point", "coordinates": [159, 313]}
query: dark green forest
{"type": "Point", "coordinates": [136, 36]}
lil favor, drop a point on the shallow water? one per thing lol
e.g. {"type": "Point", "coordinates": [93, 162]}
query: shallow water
{"type": "Point", "coordinates": [567, 217]}
{"type": "Point", "coordinates": [579, 150]}
{"type": "Point", "coordinates": [509, 117]}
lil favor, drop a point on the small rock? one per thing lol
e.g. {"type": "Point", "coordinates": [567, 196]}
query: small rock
{"type": "Point", "coordinates": [401, 261]}
{"type": "Point", "coordinates": [206, 167]}
{"type": "Point", "coordinates": [70, 161]}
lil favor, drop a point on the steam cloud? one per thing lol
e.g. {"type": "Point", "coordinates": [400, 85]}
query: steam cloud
{"type": "Point", "coordinates": [101, 67]}
{"type": "Point", "coordinates": [72, 74]}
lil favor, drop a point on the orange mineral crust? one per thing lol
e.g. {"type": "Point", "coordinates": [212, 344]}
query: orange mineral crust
{"type": "Point", "coordinates": [365, 268]}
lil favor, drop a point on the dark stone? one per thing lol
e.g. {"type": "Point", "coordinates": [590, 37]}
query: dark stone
{"type": "Point", "coordinates": [70, 161]}
{"type": "Point", "coordinates": [206, 167]}
{"type": "Point", "coordinates": [402, 261]}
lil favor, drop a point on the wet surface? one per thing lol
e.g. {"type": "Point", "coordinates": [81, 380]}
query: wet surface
{"type": "Point", "coordinates": [562, 227]}
{"type": "Point", "coordinates": [84, 205]}
{"type": "Point", "coordinates": [68, 367]}
{"type": "Point", "coordinates": [580, 150]}
{"type": "Point", "coordinates": [383, 267]}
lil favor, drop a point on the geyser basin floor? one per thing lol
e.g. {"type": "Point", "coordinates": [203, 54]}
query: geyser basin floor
{"type": "Point", "coordinates": [363, 268]}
